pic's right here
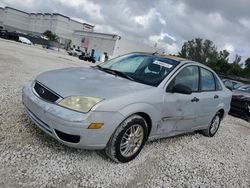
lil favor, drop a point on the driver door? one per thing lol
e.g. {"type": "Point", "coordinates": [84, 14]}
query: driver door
{"type": "Point", "coordinates": [180, 112]}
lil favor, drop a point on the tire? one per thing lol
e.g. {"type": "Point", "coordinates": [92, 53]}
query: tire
{"type": "Point", "coordinates": [116, 151]}
{"type": "Point", "coordinates": [212, 130]}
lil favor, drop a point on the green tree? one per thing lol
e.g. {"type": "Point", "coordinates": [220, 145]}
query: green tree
{"type": "Point", "coordinates": [247, 68]}
{"type": "Point", "coordinates": [237, 59]}
{"type": "Point", "coordinates": [224, 54]}
{"type": "Point", "coordinates": [199, 50]}
{"type": "Point", "coordinates": [204, 51]}
{"type": "Point", "coordinates": [247, 63]}
{"type": "Point", "coordinates": [51, 36]}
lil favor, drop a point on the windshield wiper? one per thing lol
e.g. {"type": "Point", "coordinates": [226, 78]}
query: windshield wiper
{"type": "Point", "coordinates": [121, 74]}
{"type": "Point", "coordinates": [115, 72]}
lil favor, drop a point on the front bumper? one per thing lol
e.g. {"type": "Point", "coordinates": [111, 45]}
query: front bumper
{"type": "Point", "coordinates": [67, 126]}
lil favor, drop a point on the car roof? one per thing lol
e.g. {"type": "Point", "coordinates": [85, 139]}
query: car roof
{"type": "Point", "coordinates": [176, 58]}
{"type": "Point", "coordinates": [173, 57]}
{"type": "Point", "coordinates": [245, 85]}
{"type": "Point", "coordinates": [231, 80]}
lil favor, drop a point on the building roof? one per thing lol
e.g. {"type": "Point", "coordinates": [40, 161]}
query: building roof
{"type": "Point", "coordinates": [16, 10]}
{"type": "Point", "coordinates": [93, 33]}
{"type": "Point", "coordinates": [82, 23]}
{"type": "Point", "coordinates": [176, 58]}
{"type": "Point", "coordinates": [58, 14]}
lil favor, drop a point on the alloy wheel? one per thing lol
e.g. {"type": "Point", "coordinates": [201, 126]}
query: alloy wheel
{"type": "Point", "coordinates": [131, 140]}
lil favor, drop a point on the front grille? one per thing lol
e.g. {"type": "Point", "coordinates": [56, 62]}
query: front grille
{"type": "Point", "coordinates": [44, 93]}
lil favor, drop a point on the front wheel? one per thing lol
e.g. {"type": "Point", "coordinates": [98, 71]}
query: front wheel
{"type": "Point", "coordinates": [128, 140]}
{"type": "Point", "coordinates": [213, 126]}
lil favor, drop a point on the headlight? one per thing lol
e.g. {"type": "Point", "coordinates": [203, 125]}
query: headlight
{"type": "Point", "coordinates": [79, 103]}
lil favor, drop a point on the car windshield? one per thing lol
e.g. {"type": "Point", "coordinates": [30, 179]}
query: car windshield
{"type": "Point", "coordinates": [146, 69]}
{"type": "Point", "coordinates": [244, 89]}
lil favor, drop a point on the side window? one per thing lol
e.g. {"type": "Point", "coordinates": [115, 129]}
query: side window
{"type": "Point", "coordinates": [218, 85]}
{"type": "Point", "coordinates": [189, 76]}
{"type": "Point", "coordinates": [207, 80]}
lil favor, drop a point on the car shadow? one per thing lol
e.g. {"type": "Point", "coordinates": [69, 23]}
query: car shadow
{"type": "Point", "coordinates": [247, 119]}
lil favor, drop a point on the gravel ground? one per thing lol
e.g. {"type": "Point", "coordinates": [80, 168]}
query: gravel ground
{"type": "Point", "coordinates": [29, 158]}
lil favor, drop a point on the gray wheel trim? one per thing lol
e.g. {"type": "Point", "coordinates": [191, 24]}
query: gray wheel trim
{"type": "Point", "coordinates": [131, 140]}
{"type": "Point", "coordinates": [110, 149]}
{"type": "Point", "coordinates": [215, 124]}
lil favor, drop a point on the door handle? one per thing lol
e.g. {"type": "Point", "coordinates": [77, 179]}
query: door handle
{"type": "Point", "coordinates": [195, 99]}
{"type": "Point", "coordinates": [216, 96]}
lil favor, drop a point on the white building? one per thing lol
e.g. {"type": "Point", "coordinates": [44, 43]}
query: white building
{"type": "Point", "coordinates": [112, 44]}
{"type": "Point", "coordinates": [36, 23]}
{"type": "Point", "coordinates": [67, 29]}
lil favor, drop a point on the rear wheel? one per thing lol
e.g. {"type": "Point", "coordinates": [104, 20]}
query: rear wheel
{"type": "Point", "coordinates": [128, 140]}
{"type": "Point", "coordinates": [214, 126]}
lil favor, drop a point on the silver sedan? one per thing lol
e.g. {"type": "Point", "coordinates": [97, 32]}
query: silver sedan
{"type": "Point", "coordinates": [121, 104]}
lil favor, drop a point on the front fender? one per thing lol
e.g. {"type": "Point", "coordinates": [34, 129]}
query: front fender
{"type": "Point", "coordinates": [150, 110]}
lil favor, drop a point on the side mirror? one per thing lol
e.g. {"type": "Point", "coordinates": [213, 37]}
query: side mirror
{"type": "Point", "coordinates": [179, 88]}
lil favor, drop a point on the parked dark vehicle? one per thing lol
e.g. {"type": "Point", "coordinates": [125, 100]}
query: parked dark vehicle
{"type": "Point", "coordinates": [9, 35]}
{"type": "Point", "coordinates": [88, 57]}
{"type": "Point", "coordinates": [240, 104]}
{"type": "Point", "coordinates": [232, 84]}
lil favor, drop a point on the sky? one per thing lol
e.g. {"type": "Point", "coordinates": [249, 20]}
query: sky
{"type": "Point", "coordinates": [169, 23]}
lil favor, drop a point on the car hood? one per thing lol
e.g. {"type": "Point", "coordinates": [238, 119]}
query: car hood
{"type": "Point", "coordinates": [90, 82]}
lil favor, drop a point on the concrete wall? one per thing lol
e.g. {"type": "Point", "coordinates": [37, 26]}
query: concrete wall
{"type": "Point", "coordinates": [101, 42]}
{"type": "Point", "coordinates": [15, 19]}
{"type": "Point", "coordinates": [37, 23]}
{"type": "Point", "coordinates": [1, 16]}
{"type": "Point", "coordinates": [124, 46]}
{"type": "Point", "coordinates": [112, 44]}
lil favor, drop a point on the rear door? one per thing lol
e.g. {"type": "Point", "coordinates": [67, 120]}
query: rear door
{"type": "Point", "coordinates": [209, 97]}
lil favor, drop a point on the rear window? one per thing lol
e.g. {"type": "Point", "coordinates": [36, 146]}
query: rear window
{"type": "Point", "coordinates": [207, 80]}
{"type": "Point", "coordinates": [218, 85]}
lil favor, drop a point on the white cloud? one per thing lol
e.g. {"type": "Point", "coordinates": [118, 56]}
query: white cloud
{"type": "Point", "coordinates": [161, 37]}
{"type": "Point", "coordinates": [146, 19]}
{"type": "Point", "coordinates": [245, 22]}
{"type": "Point", "coordinates": [229, 47]}
{"type": "Point", "coordinates": [216, 19]}
{"type": "Point", "coordinates": [89, 7]}
{"type": "Point", "coordinates": [160, 40]}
